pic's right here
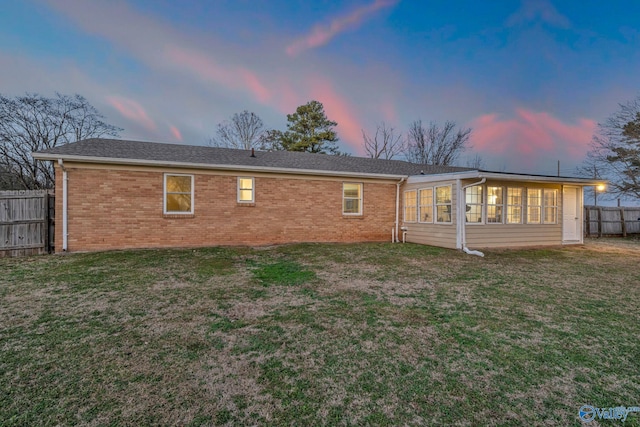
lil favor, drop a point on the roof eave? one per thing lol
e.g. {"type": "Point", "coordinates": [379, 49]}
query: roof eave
{"type": "Point", "coordinates": [504, 177]}
{"type": "Point", "coordinates": [189, 165]}
{"type": "Point", "coordinates": [540, 179]}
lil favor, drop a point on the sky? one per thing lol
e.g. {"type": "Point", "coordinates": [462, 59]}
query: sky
{"type": "Point", "coordinates": [532, 78]}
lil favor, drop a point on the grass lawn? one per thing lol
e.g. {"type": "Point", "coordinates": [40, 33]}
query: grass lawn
{"type": "Point", "coordinates": [314, 334]}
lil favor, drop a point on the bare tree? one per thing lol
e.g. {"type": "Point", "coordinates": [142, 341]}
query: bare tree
{"type": "Point", "coordinates": [590, 169]}
{"type": "Point", "coordinates": [33, 123]}
{"type": "Point", "coordinates": [9, 179]}
{"type": "Point", "coordinates": [436, 145]}
{"type": "Point", "coordinates": [615, 151]}
{"type": "Point", "coordinates": [385, 144]}
{"type": "Point", "coordinates": [477, 162]}
{"type": "Point", "coordinates": [244, 130]}
{"type": "Point", "coordinates": [271, 140]}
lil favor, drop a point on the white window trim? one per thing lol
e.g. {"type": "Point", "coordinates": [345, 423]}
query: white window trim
{"type": "Point", "coordinates": [435, 205]}
{"type": "Point", "coordinates": [361, 198]}
{"type": "Point", "coordinates": [419, 212]}
{"type": "Point", "coordinates": [522, 206]}
{"type": "Point", "coordinates": [539, 206]}
{"type": "Point", "coordinates": [253, 189]}
{"type": "Point", "coordinates": [404, 218]}
{"type": "Point", "coordinates": [544, 207]}
{"type": "Point", "coordinates": [164, 195]}
{"type": "Point", "coordinates": [502, 205]}
{"type": "Point", "coordinates": [482, 204]}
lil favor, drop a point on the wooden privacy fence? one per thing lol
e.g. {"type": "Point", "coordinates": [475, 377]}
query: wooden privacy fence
{"type": "Point", "coordinates": [608, 221]}
{"type": "Point", "coordinates": [26, 222]}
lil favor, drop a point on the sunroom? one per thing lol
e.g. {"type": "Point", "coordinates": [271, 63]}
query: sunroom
{"type": "Point", "coordinates": [498, 209]}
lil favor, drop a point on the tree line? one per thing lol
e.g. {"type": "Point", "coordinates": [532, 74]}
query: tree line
{"type": "Point", "coordinates": [33, 122]}
{"type": "Point", "coordinates": [309, 129]}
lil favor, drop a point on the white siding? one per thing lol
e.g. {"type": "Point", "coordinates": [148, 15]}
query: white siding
{"type": "Point", "coordinates": [511, 235]}
{"type": "Point", "coordinates": [486, 235]}
{"type": "Point", "coordinates": [443, 235]}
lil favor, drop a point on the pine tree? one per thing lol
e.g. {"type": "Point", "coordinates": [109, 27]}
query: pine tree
{"type": "Point", "coordinates": [309, 129]}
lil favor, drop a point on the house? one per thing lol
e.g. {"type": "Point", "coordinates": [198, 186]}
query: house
{"type": "Point", "coordinates": [116, 194]}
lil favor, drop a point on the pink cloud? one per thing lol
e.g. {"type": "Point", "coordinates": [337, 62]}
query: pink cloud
{"type": "Point", "coordinates": [283, 94]}
{"type": "Point", "coordinates": [176, 133]}
{"type": "Point", "coordinates": [210, 69]}
{"type": "Point", "coordinates": [132, 110]}
{"type": "Point", "coordinates": [536, 134]}
{"type": "Point", "coordinates": [254, 85]}
{"type": "Point", "coordinates": [203, 66]}
{"type": "Point", "coordinates": [338, 109]}
{"type": "Point", "coordinates": [322, 34]}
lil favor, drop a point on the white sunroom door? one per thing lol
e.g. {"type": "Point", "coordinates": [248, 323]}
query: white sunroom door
{"type": "Point", "coordinates": [570, 214]}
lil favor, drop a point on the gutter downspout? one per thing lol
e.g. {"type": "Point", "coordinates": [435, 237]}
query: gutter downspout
{"type": "Point", "coordinates": [65, 179]}
{"type": "Point", "coordinates": [398, 207]}
{"type": "Point", "coordinates": [462, 223]}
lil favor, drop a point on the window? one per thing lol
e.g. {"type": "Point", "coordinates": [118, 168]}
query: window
{"type": "Point", "coordinates": [351, 198]}
{"type": "Point", "coordinates": [514, 205]}
{"type": "Point", "coordinates": [178, 194]}
{"type": "Point", "coordinates": [495, 205]}
{"type": "Point", "coordinates": [443, 205]}
{"type": "Point", "coordinates": [534, 205]}
{"type": "Point", "coordinates": [425, 207]}
{"type": "Point", "coordinates": [245, 190]}
{"type": "Point", "coordinates": [550, 206]}
{"type": "Point", "coordinates": [410, 206]}
{"type": "Point", "coordinates": [474, 204]}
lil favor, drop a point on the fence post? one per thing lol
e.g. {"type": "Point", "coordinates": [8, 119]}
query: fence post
{"type": "Point", "coordinates": [45, 224]}
{"type": "Point", "coordinates": [587, 218]}
{"type": "Point", "coordinates": [599, 221]}
{"type": "Point", "coordinates": [624, 224]}
{"type": "Point", "coordinates": [51, 209]}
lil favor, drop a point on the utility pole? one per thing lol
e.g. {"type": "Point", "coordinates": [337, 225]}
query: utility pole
{"type": "Point", "coordinates": [595, 188]}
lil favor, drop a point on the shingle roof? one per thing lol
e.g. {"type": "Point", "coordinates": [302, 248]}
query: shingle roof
{"type": "Point", "coordinates": [112, 150]}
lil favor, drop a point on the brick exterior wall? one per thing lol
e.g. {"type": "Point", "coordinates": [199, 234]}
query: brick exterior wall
{"type": "Point", "coordinates": [119, 209]}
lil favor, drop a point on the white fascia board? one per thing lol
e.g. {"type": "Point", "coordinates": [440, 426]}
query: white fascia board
{"type": "Point", "coordinates": [187, 165]}
{"type": "Point", "coordinates": [414, 179]}
{"type": "Point", "coordinates": [502, 177]}
{"type": "Point", "coordinates": [539, 179]}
